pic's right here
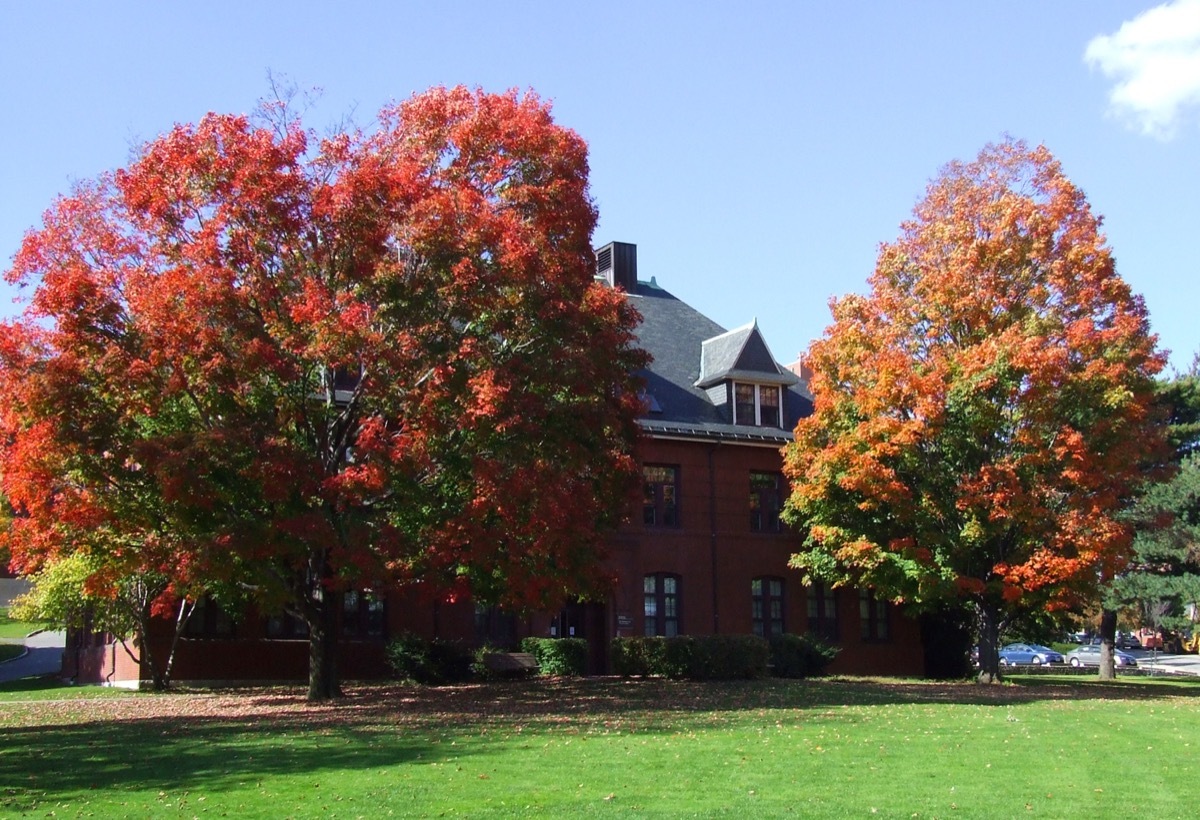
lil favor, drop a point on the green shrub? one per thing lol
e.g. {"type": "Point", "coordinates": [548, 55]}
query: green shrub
{"type": "Point", "coordinates": [699, 657]}
{"type": "Point", "coordinates": [629, 657]}
{"type": "Point", "coordinates": [730, 657]}
{"type": "Point", "coordinates": [666, 657]}
{"type": "Point", "coordinates": [558, 656]}
{"type": "Point", "coordinates": [675, 656]}
{"type": "Point", "coordinates": [799, 656]}
{"type": "Point", "coordinates": [433, 663]}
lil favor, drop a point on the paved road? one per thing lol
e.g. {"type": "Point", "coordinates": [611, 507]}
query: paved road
{"type": "Point", "coordinates": [43, 651]}
{"type": "Point", "coordinates": [43, 656]}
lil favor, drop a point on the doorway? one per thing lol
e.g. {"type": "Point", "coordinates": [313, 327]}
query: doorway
{"type": "Point", "coordinates": [586, 620]}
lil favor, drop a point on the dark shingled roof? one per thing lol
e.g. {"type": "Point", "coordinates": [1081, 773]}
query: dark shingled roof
{"type": "Point", "coordinates": [741, 354]}
{"type": "Point", "coordinates": [674, 333]}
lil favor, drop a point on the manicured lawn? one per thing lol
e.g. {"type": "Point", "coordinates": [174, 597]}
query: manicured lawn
{"type": "Point", "coordinates": [1043, 747]}
{"type": "Point", "coordinates": [50, 689]}
{"type": "Point", "coordinates": [15, 629]}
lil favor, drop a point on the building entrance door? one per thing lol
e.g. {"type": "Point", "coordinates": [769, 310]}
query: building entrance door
{"type": "Point", "coordinates": [585, 620]}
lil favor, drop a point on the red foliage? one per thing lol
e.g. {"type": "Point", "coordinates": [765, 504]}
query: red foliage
{"type": "Point", "coordinates": [374, 356]}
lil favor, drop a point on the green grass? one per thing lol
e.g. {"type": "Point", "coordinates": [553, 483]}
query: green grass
{"type": "Point", "coordinates": [10, 628]}
{"type": "Point", "coordinates": [47, 688]}
{"type": "Point", "coordinates": [1046, 747]}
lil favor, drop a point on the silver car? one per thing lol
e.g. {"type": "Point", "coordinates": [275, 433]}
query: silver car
{"type": "Point", "coordinates": [1028, 653]}
{"type": "Point", "coordinates": [1089, 655]}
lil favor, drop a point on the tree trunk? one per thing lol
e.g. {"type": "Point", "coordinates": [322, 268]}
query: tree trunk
{"type": "Point", "coordinates": [1108, 637]}
{"type": "Point", "coordinates": [158, 680]}
{"type": "Point", "coordinates": [186, 608]}
{"type": "Point", "coordinates": [989, 641]}
{"type": "Point", "coordinates": [323, 681]}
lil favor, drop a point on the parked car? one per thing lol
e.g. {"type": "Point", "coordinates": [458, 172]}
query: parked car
{"type": "Point", "coordinates": [1126, 640]}
{"type": "Point", "coordinates": [1089, 655]}
{"type": "Point", "coordinates": [1029, 653]}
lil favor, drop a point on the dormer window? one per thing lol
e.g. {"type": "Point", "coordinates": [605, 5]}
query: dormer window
{"type": "Point", "coordinates": [756, 404]}
{"type": "Point", "coordinates": [737, 368]}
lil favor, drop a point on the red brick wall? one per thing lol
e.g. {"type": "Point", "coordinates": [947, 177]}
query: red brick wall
{"type": "Point", "coordinates": [714, 551]}
{"type": "Point", "coordinates": [715, 534]}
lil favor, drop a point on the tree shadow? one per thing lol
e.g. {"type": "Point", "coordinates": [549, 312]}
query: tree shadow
{"type": "Point", "coordinates": [220, 740]}
{"type": "Point", "coordinates": [189, 753]}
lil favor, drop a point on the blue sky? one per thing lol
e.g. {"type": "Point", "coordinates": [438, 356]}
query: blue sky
{"type": "Point", "coordinates": [757, 153]}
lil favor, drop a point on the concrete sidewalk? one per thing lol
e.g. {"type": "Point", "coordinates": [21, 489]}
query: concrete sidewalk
{"type": "Point", "coordinates": [1174, 664]}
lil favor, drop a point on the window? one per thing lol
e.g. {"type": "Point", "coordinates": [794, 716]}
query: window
{"type": "Point", "coordinates": [756, 404]}
{"type": "Point", "coordinates": [766, 500]}
{"type": "Point", "coordinates": [661, 505]}
{"type": "Point", "coordinates": [873, 613]}
{"type": "Point", "coordinates": [495, 626]}
{"type": "Point", "coordinates": [822, 612]}
{"type": "Point", "coordinates": [362, 614]}
{"type": "Point", "coordinates": [766, 597]}
{"type": "Point", "coordinates": [209, 621]}
{"type": "Point", "coordinates": [661, 595]}
{"type": "Point", "coordinates": [285, 626]}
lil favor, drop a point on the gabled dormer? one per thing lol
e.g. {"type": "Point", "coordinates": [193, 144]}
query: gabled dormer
{"type": "Point", "coordinates": [742, 378]}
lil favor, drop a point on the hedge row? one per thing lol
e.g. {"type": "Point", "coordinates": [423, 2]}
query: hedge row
{"type": "Point", "coordinates": [431, 662]}
{"type": "Point", "coordinates": [800, 656]}
{"type": "Point", "coordinates": [695, 657]}
{"type": "Point", "coordinates": [438, 662]}
{"type": "Point", "coordinates": [709, 657]}
{"type": "Point", "coordinates": [721, 657]}
{"type": "Point", "coordinates": [558, 656]}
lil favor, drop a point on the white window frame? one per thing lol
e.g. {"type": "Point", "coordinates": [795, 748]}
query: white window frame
{"type": "Point", "coordinates": [758, 388]}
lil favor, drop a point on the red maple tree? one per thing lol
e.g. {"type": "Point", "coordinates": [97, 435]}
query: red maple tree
{"type": "Point", "coordinates": [305, 366]}
{"type": "Point", "coordinates": [982, 414]}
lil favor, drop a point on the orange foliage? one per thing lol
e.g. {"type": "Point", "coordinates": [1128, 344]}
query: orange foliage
{"type": "Point", "coordinates": [984, 412]}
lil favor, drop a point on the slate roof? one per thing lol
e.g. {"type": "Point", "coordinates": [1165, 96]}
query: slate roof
{"type": "Point", "coordinates": [675, 334]}
{"type": "Point", "coordinates": [743, 354]}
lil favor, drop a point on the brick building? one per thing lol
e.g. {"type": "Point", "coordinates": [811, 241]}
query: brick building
{"type": "Point", "coordinates": [705, 554]}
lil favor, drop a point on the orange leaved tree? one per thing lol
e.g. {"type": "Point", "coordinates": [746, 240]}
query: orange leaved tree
{"type": "Point", "coordinates": [297, 367]}
{"type": "Point", "coordinates": [982, 414]}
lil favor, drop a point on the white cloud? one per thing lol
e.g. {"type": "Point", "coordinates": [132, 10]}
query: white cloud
{"type": "Point", "coordinates": [1155, 60]}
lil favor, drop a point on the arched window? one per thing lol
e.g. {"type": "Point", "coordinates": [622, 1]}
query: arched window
{"type": "Point", "coordinates": [661, 487]}
{"type": "Point", "coordinates": [209, 620]}
{"type": "Point", "coordinates": [362, 614]}
{"type": "Point", "coordinates": [766, 602]}
{"type": "Point", "coordinates": [766, 500]}
{"type": "Point", "coordinates": [873, 614]}
{"type": "Point", "coordinates": [661, 594]}
{"type": "Point", "coordinates": [823, 612]}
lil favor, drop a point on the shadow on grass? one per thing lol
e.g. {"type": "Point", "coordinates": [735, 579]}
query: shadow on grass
{"type": "Point", "coordinates": [222, 740]}
{"type": "Point", "coordinates": [183, 753]}
{"type": "Point", "coordinates": [31, 684]}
